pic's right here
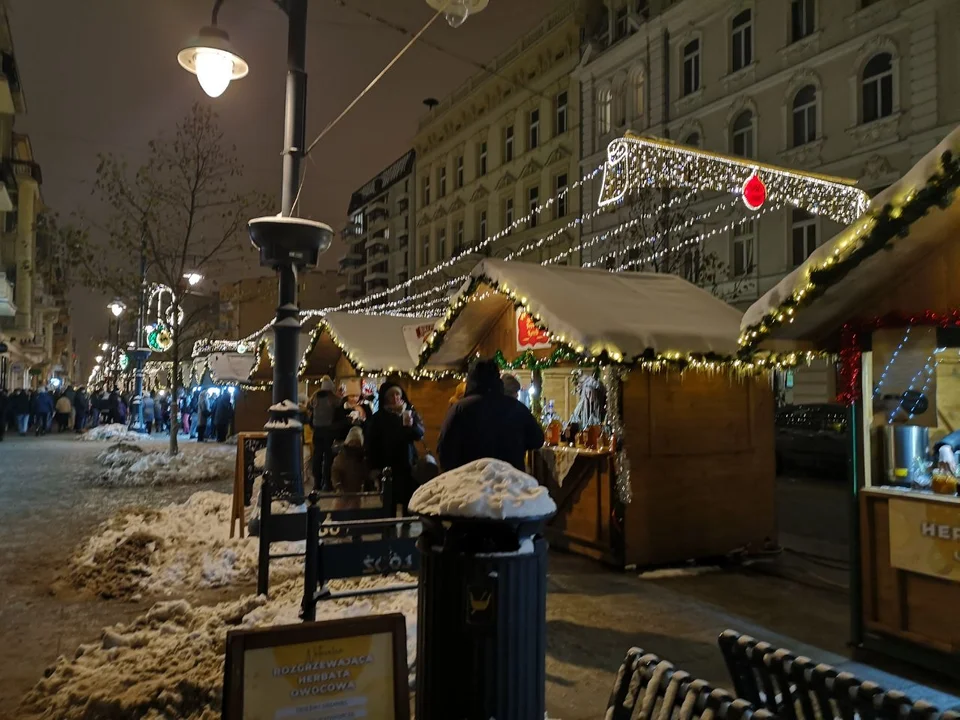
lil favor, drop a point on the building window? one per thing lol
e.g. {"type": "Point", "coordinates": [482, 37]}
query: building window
{"type": "Point", "coordinates": [482, 224]}
{"type": "Point", "coordinates": [482, 160]}
{"type": "Point", "coordinates": [621, 25]}
{"type": "Point", "coordinates": [508, 214]}
{"type": "Point", "coordinates": [442, 182]}
{"type": "Point", "coordinates": [560, 187]}
{"type": "Point", "coordinates": [642, 9]}
{"type": "Point", "coordinates": [620, 99]}
{"type": "Point", "coordinates": [441, 244]}
{"type": "Point", "coordinates": [534, 129]}
{"type": "Point", "coordinates": [801, 19]}
{"type": "Point", "coordinates": [693, 139]}
{"type": "Point", "coordinates": [742, 260]}
{"type": "Point", "coordinates": [878, 87]}
{"type": "Point", "coordinates": [604, 102]}
{"type": "Point", "coordinates": [742, 135]}
{"type": "Point", "coordinates": [426, 190]}
{"type": "Point", "coordinates": [508, 144]}
{"type": "Point", "coordinates": [742, 40]}
{"type": "Point", "coordinates": [459, 178]}
{"type": "Point", "coordinates": [533, 203]}
{"type": "Point", "coordinates": [691, 67]}
{"type": "Point", "coordinates": [805, 116]}
{"type": "Point", "coordinates": [804, 237]}
{"type": "Point", "coordinates": [424, 251]}
{"type": "Point", "coordinates": [639, 95]}
{"type": "Point", "coordinates": [458, 240]}
{"type": "Point", "coordinates": [561, 119]}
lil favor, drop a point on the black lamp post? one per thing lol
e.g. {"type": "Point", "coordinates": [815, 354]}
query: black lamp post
{"type": "Point", "coordinates": [140, 353]}
{"type": "Point", "coordinates": [117, 308]}
{"type": "Point", "coordinates": [286, 244]}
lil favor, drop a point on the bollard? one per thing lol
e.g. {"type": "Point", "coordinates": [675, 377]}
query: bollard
{"type": "Point", "coordinates": [481, 627]}
{"type": "Point", "coordinates": [308, 607]}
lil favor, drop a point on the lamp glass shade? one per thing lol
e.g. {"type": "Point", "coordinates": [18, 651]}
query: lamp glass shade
{"type": "Point", "coordinates": [214, 70]}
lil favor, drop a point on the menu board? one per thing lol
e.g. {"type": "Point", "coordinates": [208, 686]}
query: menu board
{"type": "Point", "coordinates": [334, 670]}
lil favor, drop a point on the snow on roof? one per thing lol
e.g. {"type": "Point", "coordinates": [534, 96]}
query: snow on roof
{"type": "Point", "coordinates": [625, 314]}
{"type": "Point", "coordinates": [831, 305]}
{"type": "Point", "coordinates": [379, 342]}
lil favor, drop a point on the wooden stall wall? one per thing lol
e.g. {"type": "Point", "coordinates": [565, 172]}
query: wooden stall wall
{"type": "Point", "coordinates": [431, 398]}
{"type": "Point", "coordinates": [701, 449]}
{"type": "Point", "coordinates": [906, 605]}
{"type": "Point", "coordinates": [502, 336]}
{"type": "Point", "coordinates": [250, 412]}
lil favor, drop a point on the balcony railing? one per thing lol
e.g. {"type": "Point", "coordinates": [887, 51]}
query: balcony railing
{"type": "Point", "coordinates": [351, 260]}
{"type": "Point", "coordinates": [23, 169]}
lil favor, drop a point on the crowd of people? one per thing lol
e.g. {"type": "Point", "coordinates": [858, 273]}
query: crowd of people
{"type": "Point", "coordinates": [203, 415]}
{"type": "Point", "coordinates": [353, 445]}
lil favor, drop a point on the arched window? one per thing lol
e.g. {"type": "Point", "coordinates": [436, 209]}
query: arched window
{"type": "Point", "coordinates": [693, 139]}
{"type": "Point", "coordinates": [877, 87]}
{"type": "Point", "coordinates": [604, 111]}
{"type": "Point", "coordinates": [805, 116]}
{"type": "Point", "coordinates": [639, 94]}
{"type": "Point", "coordinates": [742, 135]}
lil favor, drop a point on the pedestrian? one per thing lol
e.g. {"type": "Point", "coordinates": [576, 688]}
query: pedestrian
{"type": "Point", "coordinates": [223, 416]}
{"type": "Point", "coordinates": [328, 418]}
{"type": "Point", "coordinates": [148, 406]}
{"type": "Point", "coordinates": [43, 408]}
{"type": "Point", "coordinates": [486, 423]}
{"type": "Point", "coordinates": [194, 413]}
{"type": "Point", "coordinates": [81, 408]}
{"type": "Point", "coordinates": [71, 393]}
{"type": "Point", "coordinates": [350, 473]}
{"type": "Point", "coordinates": [204, 412]}
{"type": "Point", "coordinates": [63, 409]}
{"type": "Point", "coordinates": [4, 404]}
{"type": "Point", "coordinates": [20, 409]}
{"type": "Point", "coordinates": [391, 440]}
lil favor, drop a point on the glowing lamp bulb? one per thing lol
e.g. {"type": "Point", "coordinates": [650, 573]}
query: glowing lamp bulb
{"type": "Point", "coordinates": [456, 14]}
{"type": "Point", "coordinates": [754, 192]}
{"type": "Point", "coordinates": [214, 71]}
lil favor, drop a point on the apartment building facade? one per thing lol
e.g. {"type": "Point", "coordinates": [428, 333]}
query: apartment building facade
{"type": "Point", "coordinates": [378, 230]}
{"type": "Point", "coordinates": [502, 144]}
{"type": "Point", "coordinates": [853, 88]}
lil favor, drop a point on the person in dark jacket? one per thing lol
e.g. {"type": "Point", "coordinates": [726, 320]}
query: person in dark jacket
{"type": "Point", "coordinates": [391, 440]}
{"type": "Point", "coordinates": [4, 404]}
{"type": "Point", "coordinates": [486, 423]}
{"type": "Point", "coordinates": [81, 406]}
{"type": "Point", "coordinates": [43, 409]}
{"type": "Point", "coordinates": [223, 416]}
{"type": "Point", "coordinates": [20, 409]}
{"type": "Point", "coordinates": [330, 422]}
{"type": "Point", "coordinates": [149, 410]}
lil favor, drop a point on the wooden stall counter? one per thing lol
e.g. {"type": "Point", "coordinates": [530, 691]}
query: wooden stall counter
{"type": "Point", "coordinates": [910, 569]}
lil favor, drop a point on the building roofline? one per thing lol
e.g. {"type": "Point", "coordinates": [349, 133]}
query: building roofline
{"type": "Point", "coordinates": [397, 170]}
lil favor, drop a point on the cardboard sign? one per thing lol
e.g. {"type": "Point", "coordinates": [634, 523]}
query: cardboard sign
{"type": "Point", "coordinates": [925, 537]}
{"type": "Point", "coordinates": [415, 336]}
{"type": "Point", "coordinates": [529, 336]}
{"type": "Point", "coordinates": [354, 668]}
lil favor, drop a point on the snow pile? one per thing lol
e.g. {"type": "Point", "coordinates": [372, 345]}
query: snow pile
{"type": "Point", "coordinates": [112, 432]}
{"type": "Point", "coordinates": [168, 663]}
{"type": "Point", "coordinates": [127, 465]}
{"type": "Point", "coordinates": [283, 424]}
{"type": "Point", "coordinates": [285, 406]}
{"type": "Point", "coordinates": [486, 488]}
{"type": "Point", "coordinates": [183, 546]}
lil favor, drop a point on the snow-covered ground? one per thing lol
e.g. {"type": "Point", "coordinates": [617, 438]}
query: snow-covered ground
{"type": "Point", "coordinates": [168, 663]}
{"type": "Point", "coordinates": [133, 462]}
{"type": "Point", "coordinates": [117, 432]}
{"type": "Point", "coordinates": [175, 549]}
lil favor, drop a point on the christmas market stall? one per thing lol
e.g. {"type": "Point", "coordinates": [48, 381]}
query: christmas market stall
{"type": "Point", "coordinates": [881, 296]}
{"type": "Point", "coordinates": [371, 349]}
{"type": "Point", "coordinates": [660, 442]}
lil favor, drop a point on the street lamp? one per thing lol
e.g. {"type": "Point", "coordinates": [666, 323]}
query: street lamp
{"type": "Point", "coordinates": [98, 359]}
{"type": "Point", "coordinates": [286, 244]}
{"type": "Point", "coordinates": [457, 11]}
{"type": "Point", "coordinates": [116, 308]}
{"type": "Point", "coordinates": [192, 278]}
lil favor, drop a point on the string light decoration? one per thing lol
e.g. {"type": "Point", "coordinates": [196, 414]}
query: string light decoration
{"type": "Point", "coordinates": [612, 379]}
{"type": "Point", "coordinates": [872, 233]}
{"type": "Point", "coordinates": [754, 192]}
{"type": "Point", "coordinates": [635, 162]}
{"type": "Point", "coordinates": [891, 362]}
{"type": "Point", "coordinates": [927, 372]}
{"type": "Point", "coordinates": [529, 361]}
{"type": "Point", "coordinates": [162, 301]}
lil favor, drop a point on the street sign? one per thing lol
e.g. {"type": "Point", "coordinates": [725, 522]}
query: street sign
{"type": "Point", "coordinates": [363, 549]}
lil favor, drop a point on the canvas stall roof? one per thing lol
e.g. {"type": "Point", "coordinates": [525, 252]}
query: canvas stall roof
{"type": "Point", "coordinates": [625, 314]}
{"type": "Point", "coordinates": [230, 368]}
{"type": "Point", "coordinates": [387, 343]}
{"type": "Point", "coordinates": [837, 295]}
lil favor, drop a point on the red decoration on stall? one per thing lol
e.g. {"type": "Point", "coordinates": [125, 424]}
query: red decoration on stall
{"type": "Point", "coordinates": [754, 192]}
{"type": "Point", "coordinates": [529, 336]}
{"type": "Point", "coordinates": [851, 354]}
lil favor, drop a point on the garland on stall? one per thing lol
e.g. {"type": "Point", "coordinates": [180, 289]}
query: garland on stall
{"type": "Point", "coordinates": [261, 349]}
{"type": "Point", "coordinates": [876, 231]}
{"type": "Point", "coordinates": [529, 361]}
{"type": "Point", "coordinates": [851, 352]}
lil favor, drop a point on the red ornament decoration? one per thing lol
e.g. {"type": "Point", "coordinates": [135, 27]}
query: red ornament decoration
{"type": "Point", "coordinates": [754, 192]}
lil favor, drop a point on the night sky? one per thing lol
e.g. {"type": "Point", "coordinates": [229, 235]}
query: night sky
{"type": "Point", "coordinates": [102, 75]}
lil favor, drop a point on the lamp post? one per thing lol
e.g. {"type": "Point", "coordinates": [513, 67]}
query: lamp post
{"type": "Point", "coordinates": [140, 352]}
{"type": "Point", "coordinates": [117, 307]}
{"type": "Point", "coordinates": [286, 244]}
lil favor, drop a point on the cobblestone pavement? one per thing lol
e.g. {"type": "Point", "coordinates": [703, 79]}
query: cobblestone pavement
{"type": "Point", "coordinates": [45, 512]}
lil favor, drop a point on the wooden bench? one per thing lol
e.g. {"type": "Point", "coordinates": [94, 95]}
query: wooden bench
{"type": "Point", "coordinates": [797, 688]}
{"type": "Point", "coordinates": [649, 687]}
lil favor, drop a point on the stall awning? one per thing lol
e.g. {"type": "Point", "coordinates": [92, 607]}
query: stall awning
{"type": "Point", "coordinates": [379, 343]}
{"type": "Point", "coordinates": [624, 315]}
{"type": "Point", "coordinates": [907, 222]}
{"type": "Point", "coordinates": [230, 368]}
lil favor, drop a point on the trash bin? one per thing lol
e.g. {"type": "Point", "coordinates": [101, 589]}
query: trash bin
{"type": "Point", "coordinates": [481, 620]}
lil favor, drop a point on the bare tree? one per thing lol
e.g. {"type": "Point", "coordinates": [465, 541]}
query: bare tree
{"type": "Point", "coordinates": [182, 206]}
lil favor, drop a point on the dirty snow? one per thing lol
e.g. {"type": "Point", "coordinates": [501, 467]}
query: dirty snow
{"type": "Point", "coordinates": [168, 663]}
{"type": "Point", "coordinates": [180, 547]}
{"type": "Point", "coordinates": [486, 488]}
{"type": "Point", "coordinates": [128, 465]}
{"type": "Point", "coordinates": [117, 432]}
{"type": "Point", "coordinates": [283, 424]}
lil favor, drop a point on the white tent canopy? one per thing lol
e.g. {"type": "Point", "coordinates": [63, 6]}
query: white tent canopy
{"type": "Point", "coordinates": [230, 368]}
{"type": "Point", "coordinates": [624, 314]}
{"type": "Point", "coordinates": [386, 343]}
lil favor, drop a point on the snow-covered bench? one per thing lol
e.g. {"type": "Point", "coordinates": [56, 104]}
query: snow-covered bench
{"type": "Point", "coordinates": [651, 688]}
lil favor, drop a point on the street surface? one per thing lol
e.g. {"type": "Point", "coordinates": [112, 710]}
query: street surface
{"type": "Point", "coordinates": [594, 615]}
